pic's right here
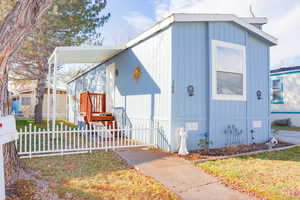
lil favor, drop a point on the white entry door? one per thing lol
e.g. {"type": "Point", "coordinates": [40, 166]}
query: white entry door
{"type": "Point", "coordinates": [110, 87]}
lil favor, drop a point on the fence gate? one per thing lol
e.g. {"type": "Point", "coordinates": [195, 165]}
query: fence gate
{"type": "Point", "coordinates": [36, 142]}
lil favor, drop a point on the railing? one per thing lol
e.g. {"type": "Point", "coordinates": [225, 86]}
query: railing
{"type": "Point", "coordinates": [35, 142]}
{"type": "Point", "coordinates": [92, 103]}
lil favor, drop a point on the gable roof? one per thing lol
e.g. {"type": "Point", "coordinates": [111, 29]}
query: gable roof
{"type": "Point", "coordinates": [246, 23]}
{"type": "Point", "coordinates": [183, 17]}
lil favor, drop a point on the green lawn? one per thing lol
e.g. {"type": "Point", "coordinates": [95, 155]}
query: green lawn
{"type": "Point", "coordinates": [288, 128]}
{"type": "Point", "coordinates": [22, 123]}
{"type": "Point", "coordinates": [100, 175]}
{"type": "Point", "coordinates": [272, 175]}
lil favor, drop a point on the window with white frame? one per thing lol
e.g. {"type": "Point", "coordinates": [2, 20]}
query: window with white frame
{"type": "Point", "coordinates": [26, 101]}
{"type": "Point", "coordinates": [228, 71]}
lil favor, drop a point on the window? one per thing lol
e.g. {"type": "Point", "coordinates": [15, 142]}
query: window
{"type": "Point", "coordinates": [277, 90]}
{"type": "Point", "coordinates": [228, 71]}
{"type": "Point", "coordinates": [26, 101]}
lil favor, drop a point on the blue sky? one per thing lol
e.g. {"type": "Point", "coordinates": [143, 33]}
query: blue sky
{"type": "Point", "coordinates": [130, 17]}
{"type": "Point", "coordinates": [118, 30]}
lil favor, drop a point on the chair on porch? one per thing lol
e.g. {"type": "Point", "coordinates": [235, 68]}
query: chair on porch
{"type": "Point", "coordinates": [93, 109]}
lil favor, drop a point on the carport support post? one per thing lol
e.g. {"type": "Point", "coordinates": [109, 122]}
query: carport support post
{"type": "Point", "coordinates": [48, 97]}
{"type": "Point", "coordinates": [54, 93]}
{"type": "Point", "coordinates": [2, 182]}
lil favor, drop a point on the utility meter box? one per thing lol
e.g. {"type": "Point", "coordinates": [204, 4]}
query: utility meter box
{"type": "Point", "coordinates": [8, 130]}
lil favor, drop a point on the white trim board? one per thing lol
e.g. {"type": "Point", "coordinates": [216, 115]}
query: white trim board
{"type": "Point", "coordinates": [256, 20]}
{"type": "Point", "coordinates": [215, 95]}
{"type": "Point", "coordinates": [225, 17]}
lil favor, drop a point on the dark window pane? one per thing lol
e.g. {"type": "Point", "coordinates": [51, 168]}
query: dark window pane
{"type": "Point", "coordinates": [276, 84]}
{"type": "Point", "coordinates": [229, 83]}
{"type": "Point", "coordinates": [277, 95]}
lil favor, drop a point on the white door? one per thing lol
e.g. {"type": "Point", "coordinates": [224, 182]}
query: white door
{"type": "Point", "coordinates": [110, 87]}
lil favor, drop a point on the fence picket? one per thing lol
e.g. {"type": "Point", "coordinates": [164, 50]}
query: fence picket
{"type": "Point", "coordinates": [30, 133]}
{"type": "Point", "coordinates": [102, 139]}
{"type": "Point", "coordinates": [34, 138]}
{"type": "Point", "coordinates": [20, 140]}
{"type": "Point", "coordinates": [98, 136]}
{"type": "Point", "coordinates": [90, 139]}
{"type": "Point", "coordinates": [39, 140]}
{"type": "Point", "coordinates": [25, 134]}
{"type": "Point", "coordinates": [107, 139]}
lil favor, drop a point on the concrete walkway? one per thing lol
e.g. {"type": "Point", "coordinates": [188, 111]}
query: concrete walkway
{"type": "Point", "coordinates": [180, 176]}
{"type": "Point", "coordinates": [292, 137]}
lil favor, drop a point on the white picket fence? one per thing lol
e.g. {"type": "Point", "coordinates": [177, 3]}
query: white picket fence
{"type": "Point", "coordinates": [36, 142]}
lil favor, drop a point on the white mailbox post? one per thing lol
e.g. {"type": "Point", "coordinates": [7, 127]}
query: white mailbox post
{"type": "Point", "coordinates": [8, 133]}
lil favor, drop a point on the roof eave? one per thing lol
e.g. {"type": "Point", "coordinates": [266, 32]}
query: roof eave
{"type": "Point", "coordinates": [181, 17]}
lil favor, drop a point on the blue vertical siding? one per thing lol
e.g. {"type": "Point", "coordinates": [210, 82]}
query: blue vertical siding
{"type": "Point", "coordinates": [223, 113]}
{"type": "Point", "coordinates": [258, 75]}
{"type": "Point", "coordinates": [149, 97]}
{"type": "Point", "coordinates": [189, 67]}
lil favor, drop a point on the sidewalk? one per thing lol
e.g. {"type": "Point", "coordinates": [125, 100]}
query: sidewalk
{"type": "Point", "coordinates": [180, 176]}
{"type": "Point", "coordinates": [292, 137]}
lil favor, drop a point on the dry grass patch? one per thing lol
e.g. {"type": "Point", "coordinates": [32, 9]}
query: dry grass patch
{"type": "Point", "coordinates": [100, 175]}
{"type": "Point", "coordinates": [272, 175]}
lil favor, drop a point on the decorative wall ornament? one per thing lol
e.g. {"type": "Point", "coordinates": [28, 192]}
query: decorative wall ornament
{"type": "Point", "coordinates": [182, 147]}
{"type": "Point", "coordinates": [233, 135]}
{"type": "Point", "coordinates": [259, 94]}
{"type": "Point", "coordinates": [190, 90]}
{"type": "Point", "coordinates": [137, 73]}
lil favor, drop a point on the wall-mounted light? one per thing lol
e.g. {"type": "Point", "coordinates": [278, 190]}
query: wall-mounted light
{"type": "Point", "coordinates": [259, 94]}
{"type": "Point", "coordinates": [190, 90]}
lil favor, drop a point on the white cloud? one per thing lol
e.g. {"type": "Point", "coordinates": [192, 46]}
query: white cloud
{"type": "Point", "coordinates": [287, 29]}
{"type": "Point", "coordinates": [138, 21]}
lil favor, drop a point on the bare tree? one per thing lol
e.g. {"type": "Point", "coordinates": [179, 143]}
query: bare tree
{"type": "Point", "coordinates": [17, 24]}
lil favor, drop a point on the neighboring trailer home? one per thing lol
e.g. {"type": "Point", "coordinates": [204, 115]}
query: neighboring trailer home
{"type": "Point", "coordinates": [208, 73]}
{"type": "Point", "coordinates": [24, 101]}
{"type": "Point", "coordinates": [285, 94]}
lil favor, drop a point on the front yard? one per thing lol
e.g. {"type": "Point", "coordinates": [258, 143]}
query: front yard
{"type": "Point", "coordinates": [272, 175]}
{"type": "Point", "coordinates": [286, 128]}
{"type": "Point", "coordinates": [100, 175]}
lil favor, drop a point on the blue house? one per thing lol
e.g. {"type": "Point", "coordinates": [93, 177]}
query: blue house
{"type": "Point", "coordinates": [208, 73]}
